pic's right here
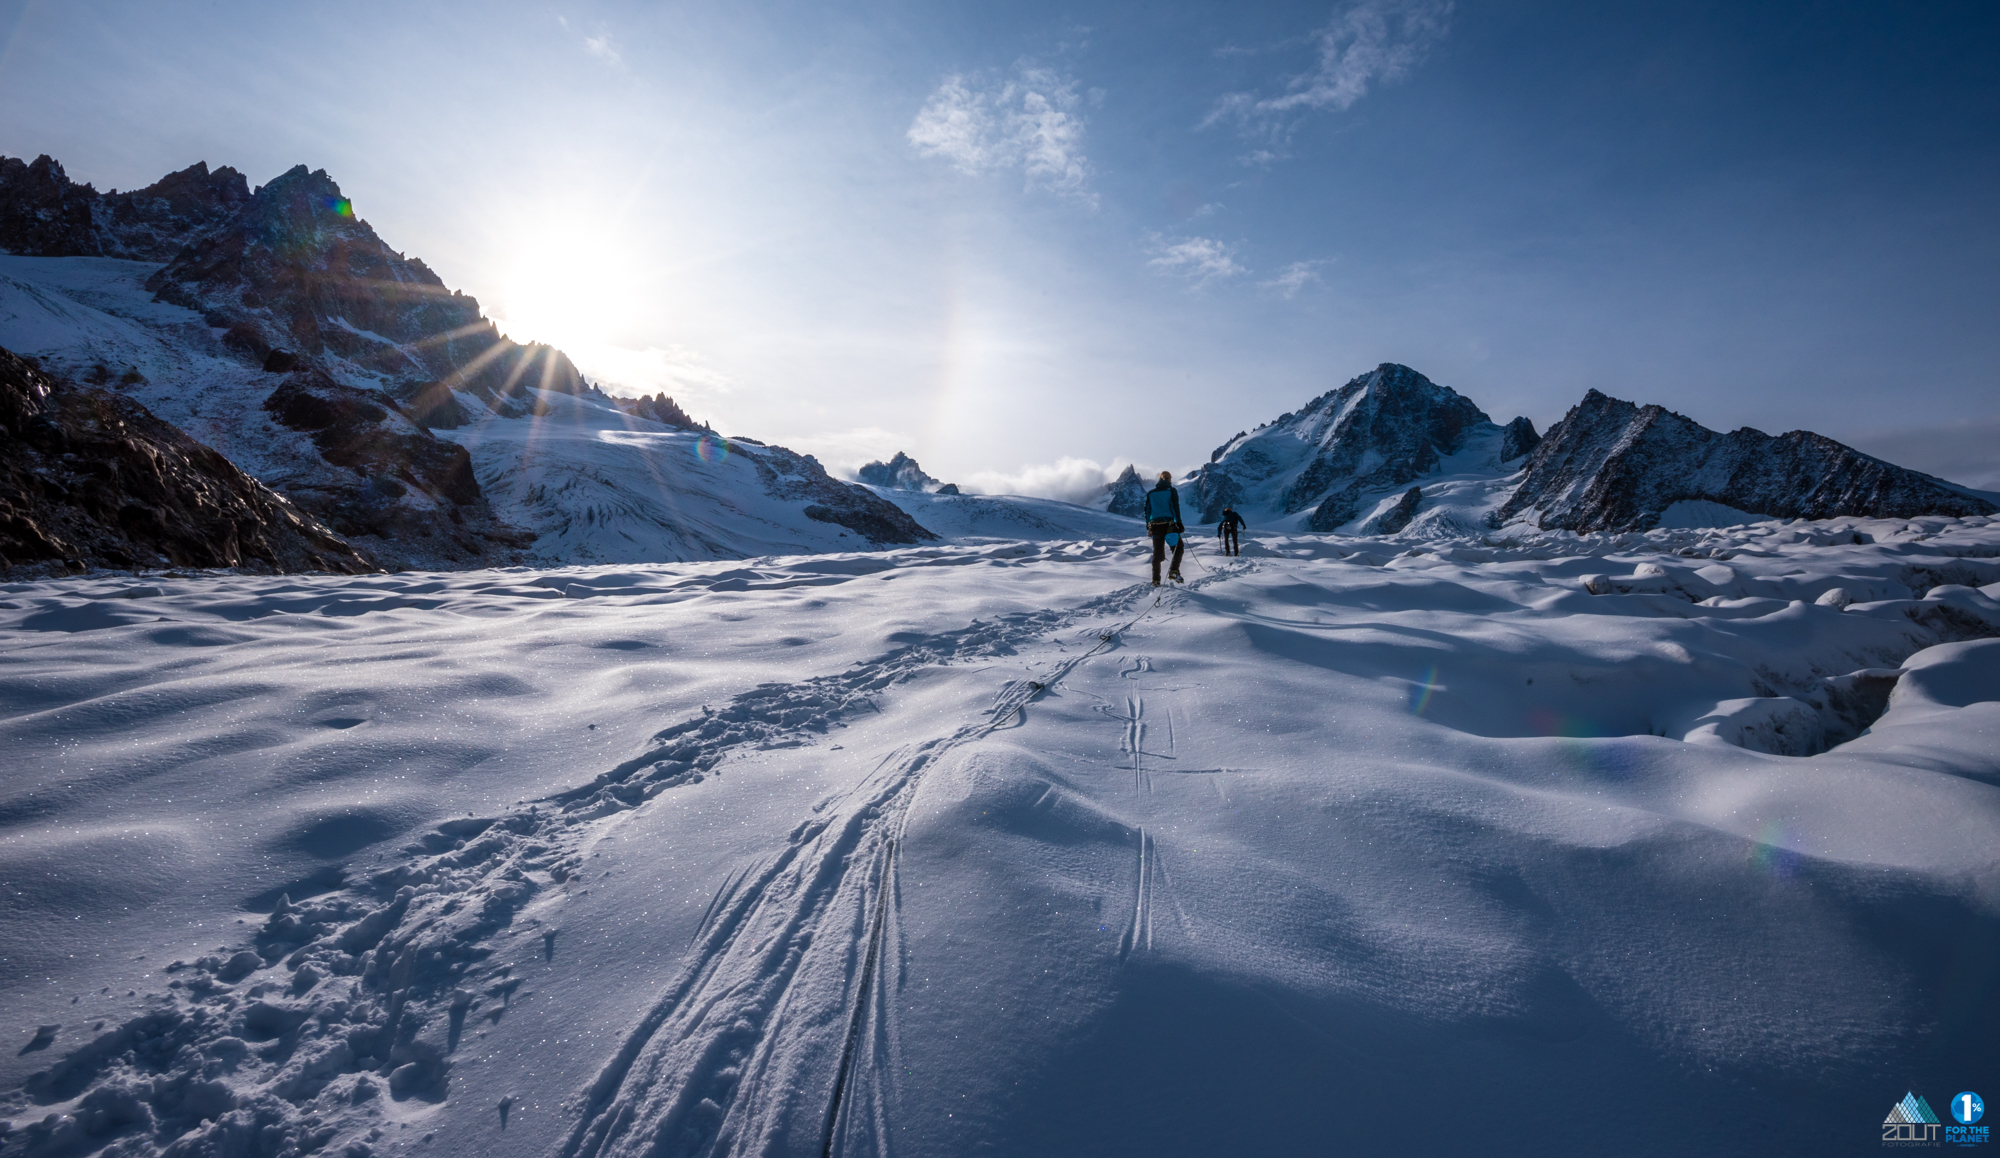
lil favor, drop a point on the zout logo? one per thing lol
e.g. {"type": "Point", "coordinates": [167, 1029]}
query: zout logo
{"type": "Point", "coordinates": [1968, 1108]}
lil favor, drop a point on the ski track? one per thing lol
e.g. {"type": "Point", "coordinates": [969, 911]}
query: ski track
{"type": "Point", "coordinates": [735, 1057]}
{"type": "Point", "coordinates": [774, 1027]}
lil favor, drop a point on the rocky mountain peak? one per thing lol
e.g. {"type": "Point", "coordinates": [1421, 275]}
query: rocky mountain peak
{"type": "Point", "coordinates": [295, 270]}
{"type": "Point", "coordinates": [900, 473]}
{"type": "Point", "coordinates": [1378, 432]}
{"type": "Point", "coordinates": [1126, 494]}
{"type": "Point", "coordinates": [1611, 465]}
{"type": "Point", "coordinates": [1518, 438]}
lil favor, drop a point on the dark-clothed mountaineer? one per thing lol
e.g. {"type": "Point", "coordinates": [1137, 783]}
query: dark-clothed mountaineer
{"type": "Point", "coordinates": [1227, 531]}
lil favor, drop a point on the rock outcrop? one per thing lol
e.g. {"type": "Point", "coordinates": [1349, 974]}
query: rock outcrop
{"type": "Point", "coordinates": [385, 476]}
{"type": "Point", "coordinates": [657, 407]}
{"type": "Point", "coordinates": [1610, 465]}
{"type": "Point", "coordinates": [900, 473]}
{"type": "Point", "coordinates": [92, 478]}
{"type": "Point", "coordinates": [1397, 517]}
{"type": "Point", "coordinates": [44, 214]}
{"type": "Point", "coordinates": [296, 271]}
{"type": "Point", "coordinates": [1518, 438]}
{"type": "Point", "coordinates": [1382, 430]}
{"type": "Point", "coordinates": [1127, 493]}
{"type": "Point", "coordinates": [792, 477]}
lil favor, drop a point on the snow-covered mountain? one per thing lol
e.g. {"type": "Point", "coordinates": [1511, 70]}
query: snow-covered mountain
{"type": "Point", "coordinates": [283, 332]}
{"type": "Point", "coordinates": [1317, 467]}
{"type": "Point", "coordinates": [1613, 466]}
{"type": "Point", "coordinates": [1348, 459]}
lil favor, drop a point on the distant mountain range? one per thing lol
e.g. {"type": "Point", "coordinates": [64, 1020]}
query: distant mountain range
{"type": "Point", "coordinates": [1346, 460]}
{"type": "Point", "coordinates": [274, 326]}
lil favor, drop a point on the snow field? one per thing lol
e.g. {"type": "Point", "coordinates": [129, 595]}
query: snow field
{"type": "Point", "coordinates": [989, 846]}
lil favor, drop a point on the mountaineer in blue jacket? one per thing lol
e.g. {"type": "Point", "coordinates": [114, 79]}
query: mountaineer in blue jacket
{"type": "Point", "coordinates": [1163, 522]}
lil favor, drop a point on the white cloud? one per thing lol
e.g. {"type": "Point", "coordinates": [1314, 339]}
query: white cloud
{"type": "Point", "coordinates": [1365, 44]}
{"type": "Point", "coordinates": [1294, 277]}
{"type": "Point", "coordinates": [1030, 122]}
{"type": "Point", "coordinates": [1199, 258]}
{"type": "Point", "coordinates": [600, 46]}
{"type": "Point", "coordinates": [1073, 480]}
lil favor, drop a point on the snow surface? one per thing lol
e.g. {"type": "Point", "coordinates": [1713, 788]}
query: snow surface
{"type": "Point", "coordinates": [988, 848]}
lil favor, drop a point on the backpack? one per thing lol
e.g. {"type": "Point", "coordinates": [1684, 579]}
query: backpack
{"type": "Point", "coordinates": [1159, 506]}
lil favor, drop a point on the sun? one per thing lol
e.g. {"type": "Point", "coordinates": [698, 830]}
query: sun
{"type": "Point", "coordinates": [573, 289]}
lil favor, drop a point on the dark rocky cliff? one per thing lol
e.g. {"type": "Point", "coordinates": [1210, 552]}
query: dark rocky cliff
{"type": "Point", "coordinates": [92, 478]}
{"type": "Point", "coordinates": [44, 214]}
{"type": "Point", "coordinates": [1610, 465]}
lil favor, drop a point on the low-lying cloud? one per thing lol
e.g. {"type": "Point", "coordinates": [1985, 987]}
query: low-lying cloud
{"type": "Point", "coordinates": [1072, 480]}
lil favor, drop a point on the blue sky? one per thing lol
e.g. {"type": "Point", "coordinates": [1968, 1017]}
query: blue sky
{"type": "Point", "coordinates": [1027, 241]}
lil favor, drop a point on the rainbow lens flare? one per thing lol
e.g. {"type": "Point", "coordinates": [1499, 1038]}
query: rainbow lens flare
{"type": "Point", "coordinates": [340, 206]}
{"type": "Point", "coordinates": [711, 448]}
{"type": "Point", "coordinates": [1769, 855]}
{"type": "Point", "coordinates": [1420, 693]}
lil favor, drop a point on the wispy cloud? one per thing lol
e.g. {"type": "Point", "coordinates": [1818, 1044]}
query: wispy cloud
{"type": "Point", "coordinates": [600, 46]}
{"type": "Point", "coordinates": [1031, 121]}
{"type": "Point", "coordinates": [1366, 44]}
{"type": "Point", "coordinates": [1295, 277]}
{"type": "Point", "coordinates": [1201, 259]}
{"type": "Point", "coordinates": [1073, 480]}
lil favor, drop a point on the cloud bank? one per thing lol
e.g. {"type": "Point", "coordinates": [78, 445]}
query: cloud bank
{"type": "Point", "coordinates": [1072, 480]}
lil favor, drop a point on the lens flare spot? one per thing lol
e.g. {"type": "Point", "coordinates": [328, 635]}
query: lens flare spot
{"type": "Point", "coordinates": [1770, 855]}
{"type": "Point", "coordinates": [1420, 693]}
{"type": "Point", "coordinates": [711, 448]}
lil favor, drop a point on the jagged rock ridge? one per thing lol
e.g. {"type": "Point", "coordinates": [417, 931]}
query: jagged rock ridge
{"type": "Point", "coordinates": [92, 478]}
{"type": "Point", "coordinates": [1610, 465]}
{"type": "Point", "coordinates": [44, 214]}
{"type": "Point", "coordinates": [657, 407]}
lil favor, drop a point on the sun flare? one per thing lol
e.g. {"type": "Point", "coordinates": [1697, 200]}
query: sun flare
{"type": "Point", "coordinates": [571, 289]}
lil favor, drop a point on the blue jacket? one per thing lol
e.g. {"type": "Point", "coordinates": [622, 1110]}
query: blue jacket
{"type": "Point", "coordinates": [1163, 505]}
